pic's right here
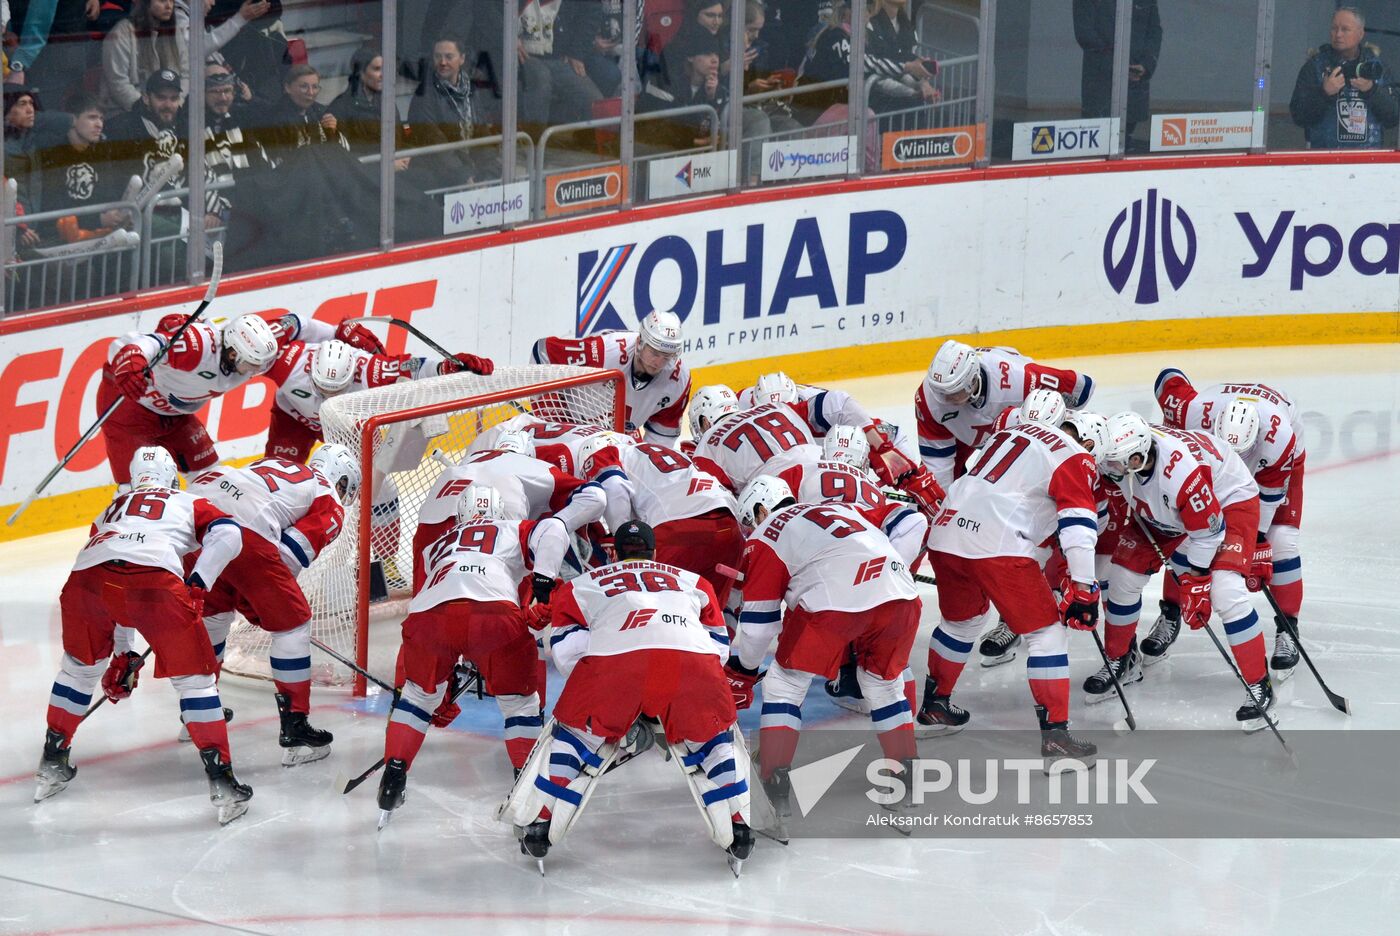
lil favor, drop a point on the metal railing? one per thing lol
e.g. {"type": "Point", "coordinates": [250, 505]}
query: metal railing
{"type": "Point", "coordinates": [52, 272]}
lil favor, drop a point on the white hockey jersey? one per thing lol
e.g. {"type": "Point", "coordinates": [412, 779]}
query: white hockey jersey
{"type": "Point", "coordinates": [654, 407]}
{"type": "Point", "coordinates": [1008, 377]}
{"type": "Point", "coordinates": [555, 442]}
{"type": "Point", "coordinates": [1194, 476]}
{"type": "Point", "coordinates": [1029, 484]}
{"type": "Point", "coordinates": [191, 373]}
{"type": "Point", "coordinates": [301, 399]}
{"type": "Point", "coordinates": [736, 448]}
{"type": "Point", "coordinates": [487, 561]}
{"type": "Point", "coordinates": [1278, 448]}
{"type": "Point", "coordinates": [636, 605]}
{"type": "Point", "coordinates": [825, 482]}
{"type": "Point", "coordinates": [655, 485]}
{"type": "Point", "coordinates": [284, 502]}
{"type": "Point", "coordinates": [158, 528]}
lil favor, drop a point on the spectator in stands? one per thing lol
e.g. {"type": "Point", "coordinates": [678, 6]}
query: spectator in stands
{"type": "Point", "coordinates": [21, 150]}
{"type": "Point", "coordinates": [1344, 96]}
{"type": "Point", "coordinates": [257, 52]}
{"type": "Point", "coordinates": [79, 174]}
{"type": "Point", "coordinates": [357, 108]}
{"type": "Point", "coordinates": [554, 87]}
{"type": "Point", "coordinates": [1095, 24]}
{"type": "Point", "coordinates": [789, 28]}
{"type": "Point", "coordinates": [898, 76]}
{"type": "Point", "coordinates": [590, 31]}
{"type": "Point", "coordinates": [442, 111]}
{"type": "Point", "coordinates": [141, 142]}
{"type": "Point", "coordinates": [764, 119]}
{"type": "Point", "coordinates": [56, 28]}
{"type": "Point", "coordinates": [228, 149]}
{"type": "Point", "coordinates": [151, 39]}
{"type": "Point", "coordinates": [216, 37]}
{"type": "Point", "coordinates": [299, 119]}
{"type": "Point", "coordinates": [698, 82]}
{"type": "Point", "coordinates": [705, 25]}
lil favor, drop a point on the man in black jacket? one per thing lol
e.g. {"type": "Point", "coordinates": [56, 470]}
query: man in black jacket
{"type": "Point", "coordinates": [1344, 97]}
{"type": "Point", "coordinates": [899, 78]}
{"type": "Point", "coordinates": [1094, 26]}
{"type": "Point", "coordinates": [443, 111]}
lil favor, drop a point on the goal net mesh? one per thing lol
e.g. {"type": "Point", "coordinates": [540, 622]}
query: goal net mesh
{"type": "Point", "coordinates": [420, 427]}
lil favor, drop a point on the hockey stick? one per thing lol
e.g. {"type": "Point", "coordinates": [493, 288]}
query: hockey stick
{"type": "Point", "coordinates": [86, 437]}
{"type": "Point", "coordinates": [1127, 711]}
{"type": "Point", "coordinates": [1339, 702]}
{"type": "Point", "coordinates": [406, 326]}
{"type": "Point", "coordinates": [365, 673]}
{"type": "Point", "coordinates": [1225, 654]}
{"type": "Point", "coordinates": [98, 704]}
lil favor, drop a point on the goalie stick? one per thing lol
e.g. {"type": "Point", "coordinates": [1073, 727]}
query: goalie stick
{"type": "Point", "coordinates": [86, 437]}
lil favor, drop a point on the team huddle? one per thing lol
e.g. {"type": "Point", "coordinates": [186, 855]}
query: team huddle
{"type": "Point", "coordinates": [658, 575]}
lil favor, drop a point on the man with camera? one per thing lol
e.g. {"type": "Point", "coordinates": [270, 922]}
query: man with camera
{"type": "Point", "coordinates": [1344, 97]}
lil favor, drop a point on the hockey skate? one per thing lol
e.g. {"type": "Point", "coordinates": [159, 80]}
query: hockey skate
{"type": "Point", "coordinates": [999, 645]}
{"type": "Point", "coordinates": [391, 789]}
{"type": "Point", "coordinates": [1056, 742]}
{"type": "Point", "coordinates": [54, 769]}
{"type": "Point", "coordinates": [938, 716]}
{"type": "Point", "coordinates": [778, 791]}
{"type": "Point", "coordinates": [738, 850]}
{"type": "Point", "coordinates": [300, 743]}
{"type": "Point", "coordinates": [1128, 669]}
{"type": "Point", "coordinates": [844, 690]}
{"type": "Point", "coordinates": [1164, 633]}
{"type": "Point", "coordinates": [1285, 657]}
{"type": "Point", "coordinates": [229, 796]}
{"type": "Point", "coordinates": [534, 841]}
{"type": "Point", "coordinates": [184, 734]}
{"type": "Point", "coordinates": [1251, 714]}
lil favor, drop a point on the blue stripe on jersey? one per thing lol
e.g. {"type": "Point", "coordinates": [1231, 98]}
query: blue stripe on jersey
{"type": "Point", "coordinates": [590, 484]}
{"type": "Point", "coordinates": [559, 635]}
{"type": "Point", "coordinates": [545, 785]}
{"type": "Point", "coordinates": [726, 792]}
{"type": "Point", "coordinates": [290, 663]}
{"type": "Point", "coordinates": [404, 705]}
{"type": "Point", "coordinates": [1288, 565]}
{"type": "Point", "coordinates": [1163, 377]}
{"type": "Point", "coordinates": [888, 711]}
{"type": "Point", "coordinates": [1125, 610]}
{"type": "Point", "coordinates": [1272, 498]}
{"type": "Point", "coordinates": [720, 638]}
{"type": "Point", "coordinates": [1054, 659]}
{"type": "Point", "coordinates": [1078, 521]}
{"type": "Point", "coordinates": [897, 518]}
{"type": "Point", "coordinates": [196, 703]}
{"type": "Point", "coordinates": [759, 617]}
{"type": "Point", "coordinates": [221, 521]}
{"type": "Point", "coordinates": [295, 549]}
{"type": "Point", "coordinates": [73, 695]}
{"type": "Point", "coordinates": [951, 642]}
{"type": "Point", "coordinates": [613, 472]}
{"type": "Point", "coordinates": [814, 410]}
{"type": "Point", "coordinates": [937, 451]}
{"type": "Point", "coordinates": [390, 509]}
{"type": "Point", "coordinates": [694, 758]}
{"type": "Point", "coordinates": [1083, 398]}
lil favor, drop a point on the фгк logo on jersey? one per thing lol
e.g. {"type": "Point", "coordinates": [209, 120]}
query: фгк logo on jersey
{"type": "Point", "coordinates": [1142, 249]}
{"type": "Point", "coordinates": [639, 618]}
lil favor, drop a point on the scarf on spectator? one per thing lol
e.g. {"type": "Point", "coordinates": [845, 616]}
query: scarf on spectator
{"type": "Point", "coordinates": [459, 95]}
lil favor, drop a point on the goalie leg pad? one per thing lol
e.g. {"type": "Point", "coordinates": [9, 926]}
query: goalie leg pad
{"type": "Point", "coordinates": [717, 776]}
{"type": "Point", "coordinates": [557, 779]}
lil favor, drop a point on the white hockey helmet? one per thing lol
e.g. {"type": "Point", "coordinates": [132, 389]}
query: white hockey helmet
{"type": "Point", "coordinates": [338, 465]}
{"type": "Point", "coordinates": [153, 467]}
{"type": "Point", "coordinates": [1044, 407]}
{"type": "Point", "coordinates": [954, 370]}
{"type": "Point", "coordinates": [1092, 430]}
{"type": "Point", "coordinates": [1127, 437]}
{"type": "Point", "coordinates": [252, 342]}
{"type": "Point", "coordinates": [596, 443]}
{"type": "Point", "coordinates": [332, 366]}
{"type": "Point", "coordinates": [848, 445]}
{"type": "Point", "coordinates": [764, 491]}
{"type": "Point", "coordinates": [1239, 424]}
{"type": "Point", "coordinates": [516, 440]}
{"type": "Point", "coordinates": [479, 502]}
{"type": "Point", "coordinates": [776, 387]}
{"type": "Point", "coordinates": [661, 331]}
{"type": "Point", "coordinates": [712, 403]}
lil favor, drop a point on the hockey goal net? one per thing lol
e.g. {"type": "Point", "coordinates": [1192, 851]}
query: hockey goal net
{"type": "Point", "coordinates": [404, 435]}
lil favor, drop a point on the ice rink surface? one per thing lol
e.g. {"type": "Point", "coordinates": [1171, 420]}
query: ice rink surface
{"type": "Point", "coordinates": [132, 845]}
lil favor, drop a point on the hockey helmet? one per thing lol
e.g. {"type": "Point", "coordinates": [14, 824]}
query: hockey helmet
{"type": "Point", "coordinates": [848, 445]}
{"type": "Point", "coordinates": [1043, 407]}
{"type": "Point", "coordinates": [764, 491]}
{"type": "Point", "coordinates": [332, 366]}
{"type": "Point", "coordinates": [954, 371]}
{"type": "Point", "coordinates": [338, 465]}
{"type": "Point", "coordinates": [1127, 437]}
{"type": "Point", "coordinates": [595, 444]}
{"type": "Point", "coordinates": [479, 502]}
{"type": "Point", "coordinates": [661, 331]}
{"type": "Point", "coordinates": [1239, 424]}
{"type": "Point", "coordinates": [516, 440]}
{"type": "Point", "coordinates": [710, 403]}
{"type": "Point", "coordinates": [153, 467]}
{"type": "Point", "coordinates": [1092, 430]}
{"type": "Point", "coordinates": [776, 387]}
{"type": "Point", "coordinates": [252, 342]}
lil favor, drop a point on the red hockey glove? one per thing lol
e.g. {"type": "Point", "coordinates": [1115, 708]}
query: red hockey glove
{"type": "Point", "coordinates": [1261, 565]}
{"type": "Point", "coordinates": [537, 617]}
{"type": "Point", "coordinates": [123, 673]}
{"type": "Point", "coordinates": [466, 362]}
{"type": "Point", "coordinates": [1195, 599]}
{"type": "Point", "coordinates": [445, 714]}
{"type": "Point", "coordinates": [1079, 604]}
{"type": "Point", "coordinates": [926, 491]}
{"type": "Point", "coordinates": [198, 594]}
{"type": "Point", "coordinates": [741, 682]}
{"type": "Point", "coordinates": [128, 371]}
{"type": "Point", "coordinates": [357, 336]}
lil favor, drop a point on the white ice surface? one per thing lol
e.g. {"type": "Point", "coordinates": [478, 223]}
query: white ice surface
{"type": "Point", "coordinates": [131, 845]}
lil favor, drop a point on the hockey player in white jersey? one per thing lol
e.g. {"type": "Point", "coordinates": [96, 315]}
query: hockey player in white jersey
{"type": "Point", "coordinates": [1031, 484]}
{"type": "Point", "coordinates": [734, 445]}
{"type": "Point", "coordinates": [470, 606]}
{"type": "Point", "coordinates": [967, 388]}
{"type": "Point", "coordinates": [658, 382]}
{"type": "Point", "coordinates": [692, 515]}
{"type": "Point", "coordinates": [131, 573]}
{"type": "Point", "coordinates": [557, 443]}
{"type": "Point", "coordinates": [636, 638]}
{"type": "Point", "coordinates": [1261, 423]}
{"type": "Point", "coordinates": [842, 583]}
{"type": "Point", "coordinates": [290, 513]}
{"type": "Point", "coordinates": [1202, 507]}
